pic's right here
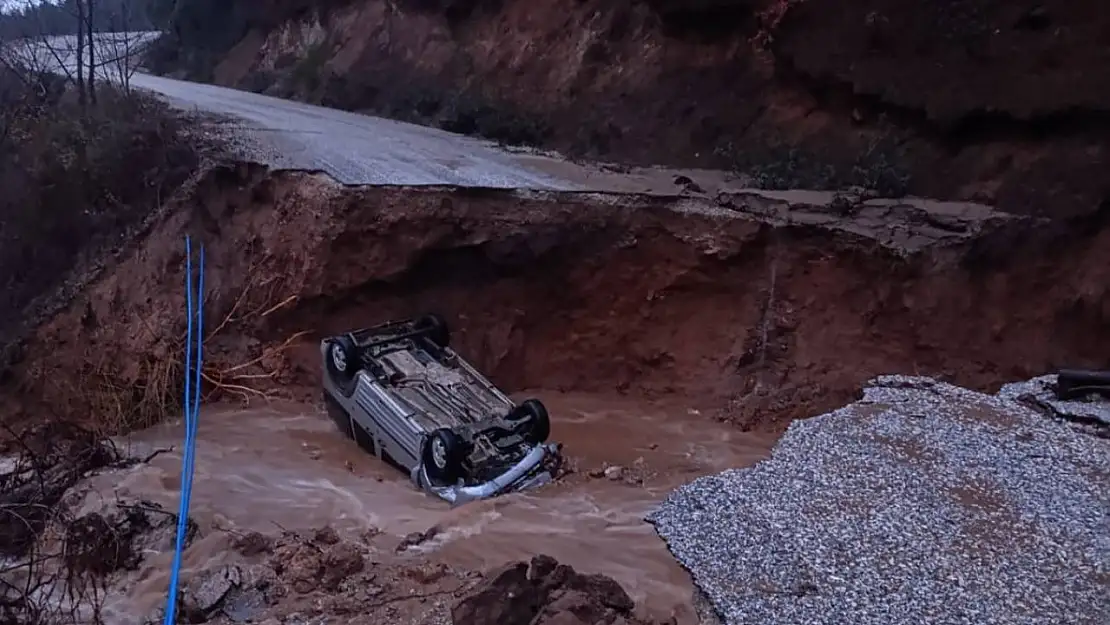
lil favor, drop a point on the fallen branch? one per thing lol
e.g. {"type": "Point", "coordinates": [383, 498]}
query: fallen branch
{"type": "Point", "coordinates": [154, 454]}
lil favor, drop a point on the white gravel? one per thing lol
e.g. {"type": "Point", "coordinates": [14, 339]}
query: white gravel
{"type": "Point", "coordinates": [922, 503]}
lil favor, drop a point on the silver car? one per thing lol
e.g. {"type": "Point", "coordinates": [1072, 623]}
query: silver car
{"type": "Point", "coordinates": [403, 394]}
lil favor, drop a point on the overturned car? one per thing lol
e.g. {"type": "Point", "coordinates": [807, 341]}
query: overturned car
{"type": "Point", "coordinates": [403, 394]}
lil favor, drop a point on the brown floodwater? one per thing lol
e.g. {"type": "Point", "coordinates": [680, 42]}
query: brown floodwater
{"type": "Point", "coordinates": [284, 465]}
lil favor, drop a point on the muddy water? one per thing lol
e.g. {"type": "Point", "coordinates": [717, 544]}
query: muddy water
{"type": "Point", "coordinates": [285, 466]}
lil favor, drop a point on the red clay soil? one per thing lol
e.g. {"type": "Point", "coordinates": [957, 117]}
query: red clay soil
{"type": "Point", "coordinates": [761, 319]}
{"type": "Point", "coordinates": [984, 100]}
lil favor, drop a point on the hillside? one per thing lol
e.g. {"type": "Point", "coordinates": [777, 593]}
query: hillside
{"type": "Point", "coordinates": [997, 102]}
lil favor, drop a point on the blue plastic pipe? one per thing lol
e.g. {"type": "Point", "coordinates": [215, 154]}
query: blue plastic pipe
{"type": "Point", "coordinates": [191, 416]}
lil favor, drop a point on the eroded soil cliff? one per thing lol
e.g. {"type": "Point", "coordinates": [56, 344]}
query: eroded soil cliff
{"type": "Point", "coordinates": [758, 308]}
{"type": "Point", "coordinates": [1000, 102]}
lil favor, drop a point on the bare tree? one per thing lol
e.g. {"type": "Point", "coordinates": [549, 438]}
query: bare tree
{"type": "Point", "coordinates": [122, 47]}
{"type": "Point", "coordinates": [42, 44]}
{"type": "Point", "coordinates": [80, 5]}
{"type": "Point", "coordinates": [23, 57]}
{"type": "Point", "coordinates": [90, 7]}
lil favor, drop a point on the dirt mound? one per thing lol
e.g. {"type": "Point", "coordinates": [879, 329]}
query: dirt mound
{"type": "Point", "coordinates": [544, 592]}
{"type": "Point", "coordinates": [772, 307]}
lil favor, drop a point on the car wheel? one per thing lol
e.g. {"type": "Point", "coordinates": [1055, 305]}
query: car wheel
{"type": "Point", "coordinates": [341, 362]}
{"type": "Point", "coordinates": [436, 329]}
{"type": "Point", "coordinates": [535, 422]}
{"type": "Point", "coordinates": [443, 456]}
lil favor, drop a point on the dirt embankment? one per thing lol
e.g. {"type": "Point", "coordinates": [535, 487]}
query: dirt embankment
{"type": "Point", "coordinates": [996, 102]}
{"type": "Point", "coordinates": [760, 310]}
{"type": "Point", "coordinates": [78, 182]}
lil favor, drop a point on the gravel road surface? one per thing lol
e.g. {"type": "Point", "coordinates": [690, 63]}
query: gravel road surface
{"type": "Point", "coordinates": [922, 503]}
{"type": "Point", "coordinates": [360, 149]}
{"type": "Point", "coordinates": [352, 148]}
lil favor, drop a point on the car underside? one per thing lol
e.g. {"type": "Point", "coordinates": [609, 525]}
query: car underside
{"type": "Point", "coordinates": [403, 393]}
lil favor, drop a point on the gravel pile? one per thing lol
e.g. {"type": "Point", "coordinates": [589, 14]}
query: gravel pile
{"type": "Point", "coordinates": [922, 503]}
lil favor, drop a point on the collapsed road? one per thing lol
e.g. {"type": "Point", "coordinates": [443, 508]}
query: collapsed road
{"type": "Point", "coordinates": [686, 331]}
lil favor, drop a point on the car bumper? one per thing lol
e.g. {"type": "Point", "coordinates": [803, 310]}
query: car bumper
{"type": "Point", "coordinates": [530, 472]}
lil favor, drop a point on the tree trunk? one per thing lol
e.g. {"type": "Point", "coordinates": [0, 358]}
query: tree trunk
{"type": "Point", "coordinates": [90, 6]}
{"type": "Point", "coordinates": [80, 4]}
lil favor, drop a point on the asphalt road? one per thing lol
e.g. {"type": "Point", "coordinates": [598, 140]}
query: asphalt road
{"type": "Point", "coordinates": [358, 149]}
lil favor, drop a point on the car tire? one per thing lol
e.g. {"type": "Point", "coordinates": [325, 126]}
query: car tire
{"type": "Point", "coordinates": [535, 420]}
{"type": "Point", "coordinates": [435, 328]}
{"type": "Point", "coordinates": [341, 362]}
{"type": "Point", "coordinates": [444, 452]}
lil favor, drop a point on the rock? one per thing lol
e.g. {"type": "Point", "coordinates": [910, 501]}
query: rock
{"type": "Point", "coordinates": [242, 606]}
{"type": "Point", "coordinates": [369, 534]}
{"type": "Point", "coordinates": [157, 616]}
{"type": "Point", "coordinates": [541, 567]}
{"type": "Point", "coordinates": [326, 536]}
{"type": "Point", "coordinates": [299, 564]}
{"type": "Point", "coordinates": [545, 592]}
{"type": "Point", "coordinates": [252, 544]}
{"type": "Point", "coordinates": [614, 473]}
{"type": "Point", "coordinates": [603, 589]}
{"type": "Point", "coordinates": [341, 561]}
{"type": "Point", "coordinates": [417, 538]}
{"type": "Point", "coordinates": [507, 597]}
{"type": "Point", "coordinates": [207, 592]}
{"type": "Point", "coordinates": [688, 184]}
{"type": "Point", "coordinates": [428, 573]}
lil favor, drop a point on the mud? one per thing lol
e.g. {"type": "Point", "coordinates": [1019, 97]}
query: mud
{"type": "Point", "coordinates": [759, 307]}
{"type": "Point", "coordinates": [282, 468]}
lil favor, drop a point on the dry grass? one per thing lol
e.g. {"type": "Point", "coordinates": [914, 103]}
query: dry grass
{"type": "Point", "coordinates": [124, 396]}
